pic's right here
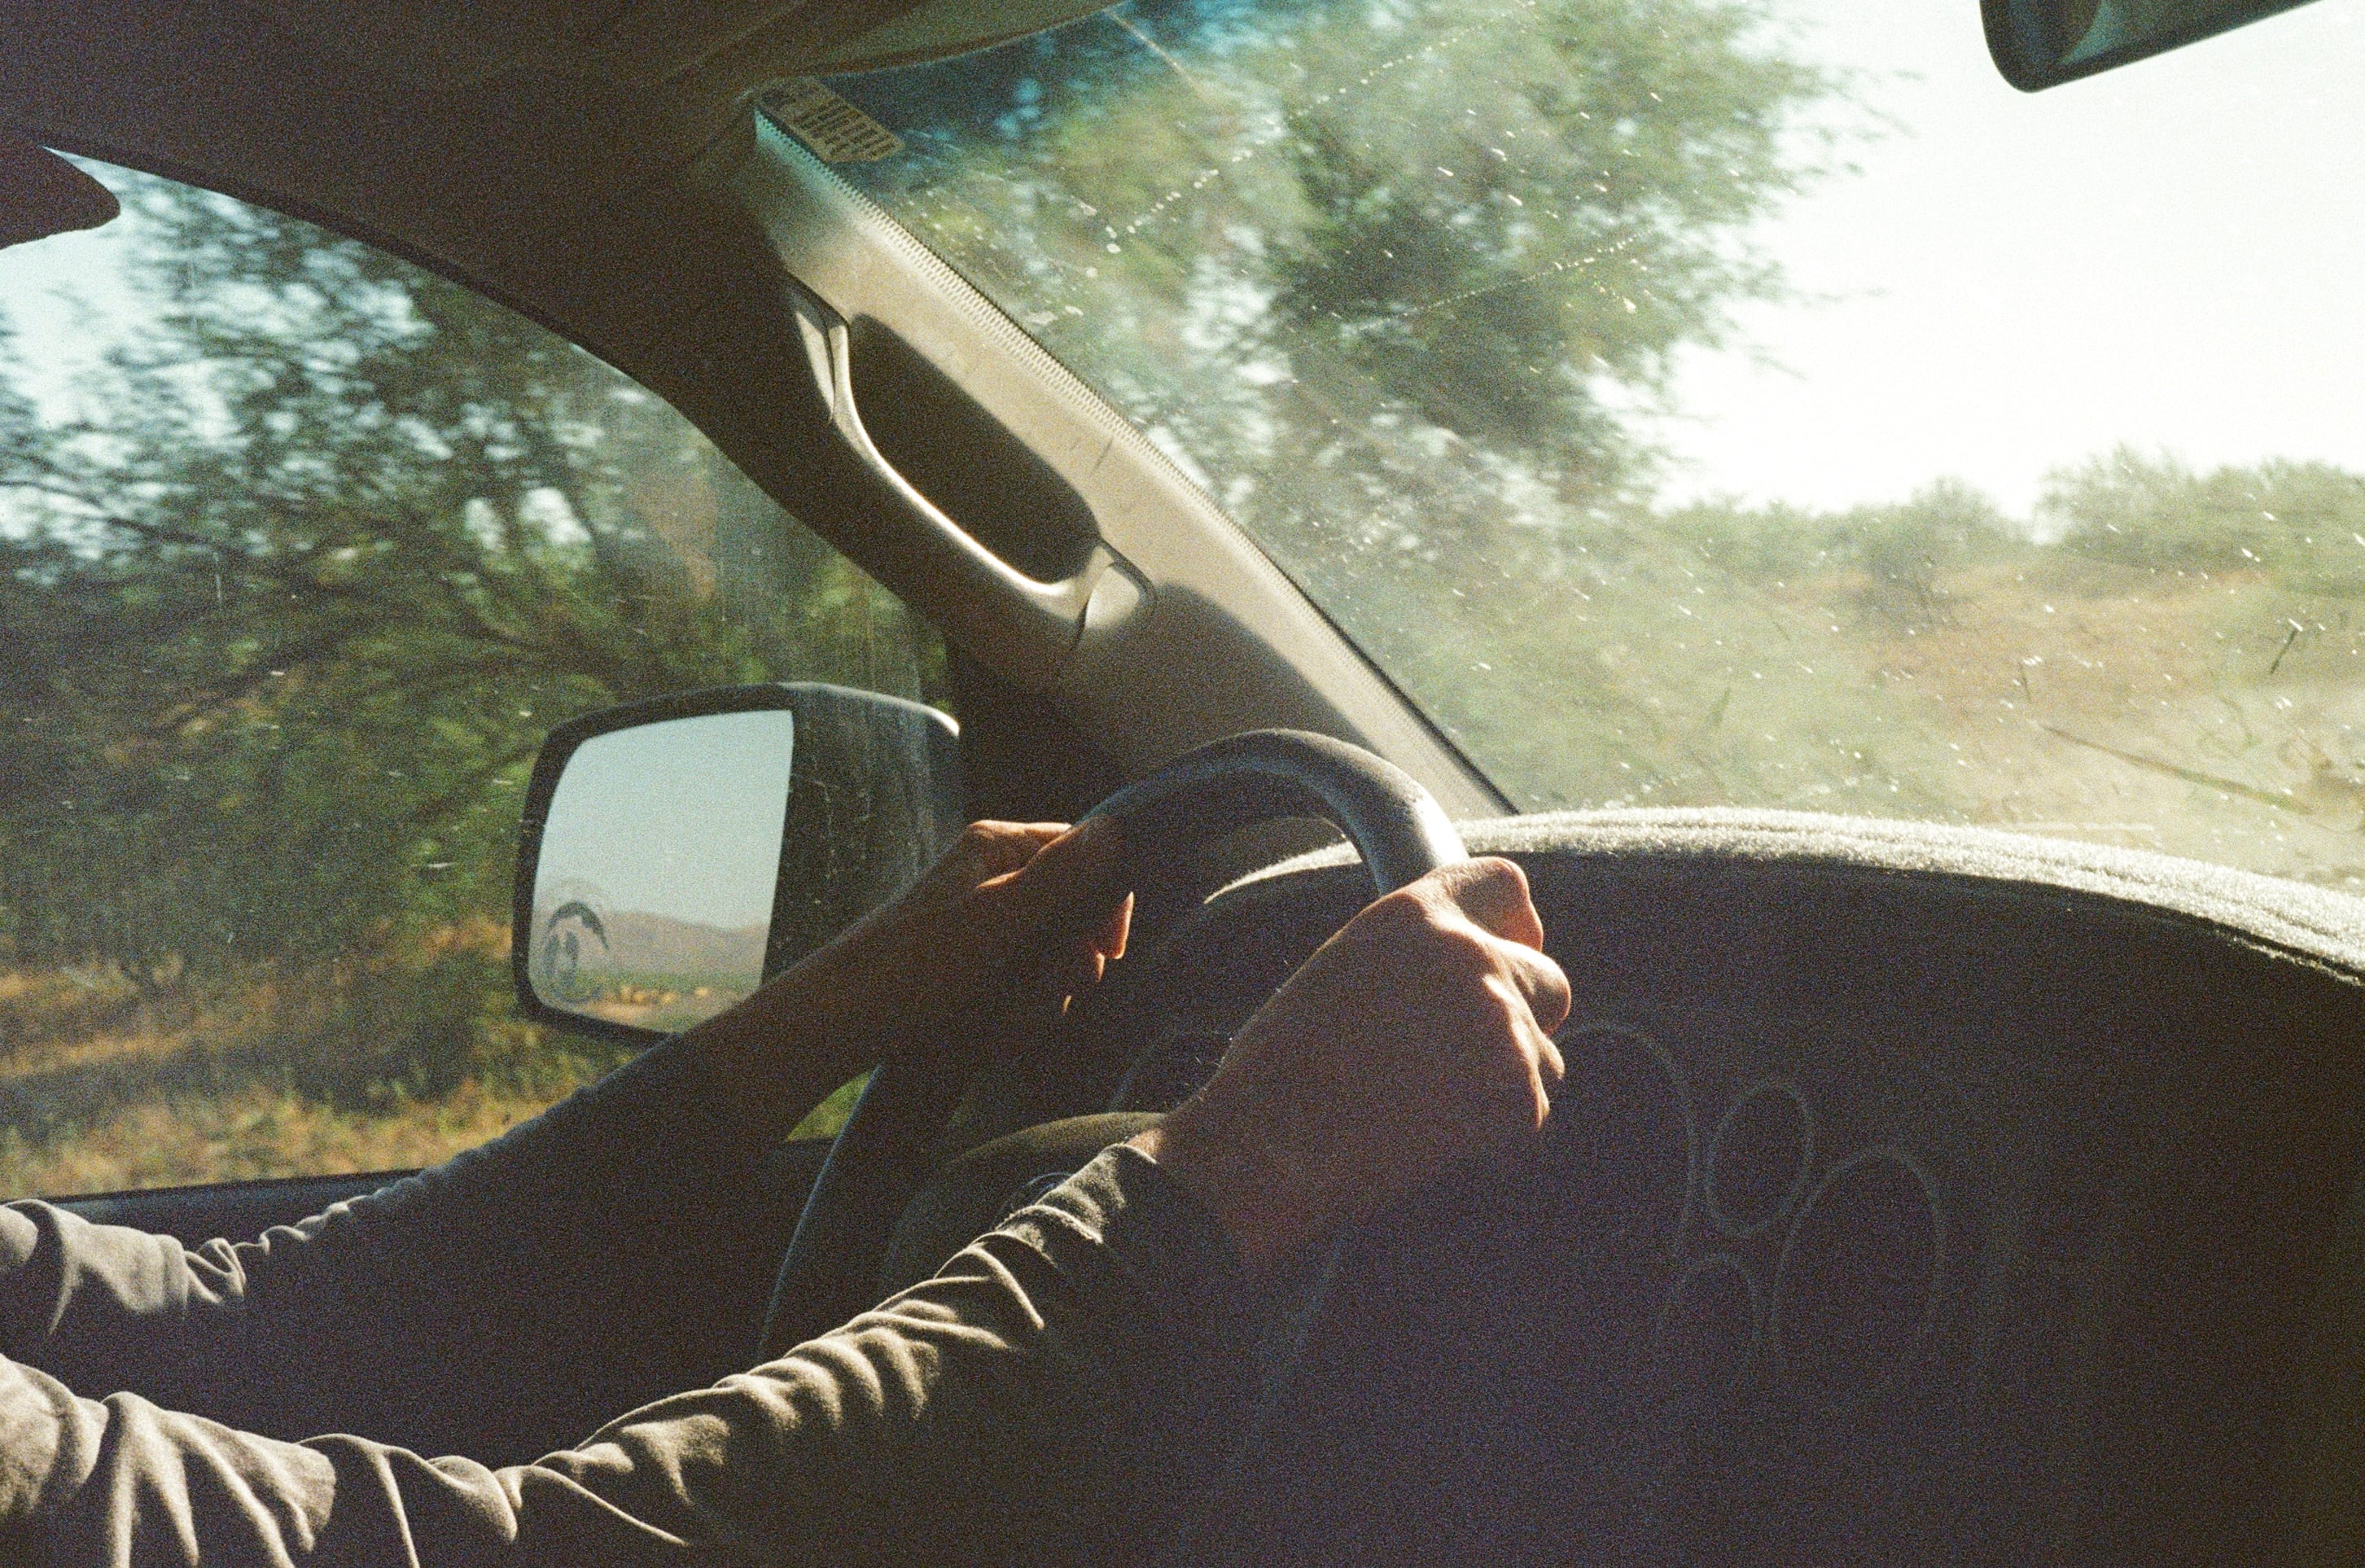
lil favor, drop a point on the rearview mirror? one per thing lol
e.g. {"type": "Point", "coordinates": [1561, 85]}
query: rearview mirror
{"type": "Point", "coordinates": [41, 193]}
{"type": "Point", "coordinates": [2042, 43]}
{"type": "Point", "coordinates": [676, 854]}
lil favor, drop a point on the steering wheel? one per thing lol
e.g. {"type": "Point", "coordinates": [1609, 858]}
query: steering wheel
{"type": "Point", "coordinates": [882, 1154]}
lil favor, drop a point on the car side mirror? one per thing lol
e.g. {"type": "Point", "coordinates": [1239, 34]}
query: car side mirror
{"type": "Point", "coordinates": [2042, 43]}
{"type": "Point", "coordinates": [676, 853]}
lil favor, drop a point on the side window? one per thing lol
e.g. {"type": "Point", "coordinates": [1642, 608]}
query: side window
{"type": "Point", "coordinates": [302, 550]}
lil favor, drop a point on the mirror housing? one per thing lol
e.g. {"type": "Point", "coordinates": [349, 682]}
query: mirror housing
{"type": "Point", "coordinates": [2042, 43]}
{"type": "Point", "coordinates": [677, 852]}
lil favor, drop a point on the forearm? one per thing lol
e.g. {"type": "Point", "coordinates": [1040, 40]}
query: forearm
{"type": "Point", "coordinates": [999, 1411]}
{"type": "Point", "coordinates": [469, 1300]}
{"type": "Point", "coordinates": [788, 1047]}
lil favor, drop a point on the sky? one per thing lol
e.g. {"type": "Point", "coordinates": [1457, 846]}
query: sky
{"type": "Point", "coordinates": [39, 284]}
{"type": "Point", "coordinates": [2164, 254]}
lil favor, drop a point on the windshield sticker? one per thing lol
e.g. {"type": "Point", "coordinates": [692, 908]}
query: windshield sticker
{"type": "Point", "coordinates": [836, 131]}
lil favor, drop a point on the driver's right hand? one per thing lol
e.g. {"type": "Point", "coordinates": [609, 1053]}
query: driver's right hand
{"type": "Point", "coordinates": [1419, 1037]}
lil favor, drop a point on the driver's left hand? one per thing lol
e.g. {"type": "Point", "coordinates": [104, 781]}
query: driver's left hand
{"type": "Point", "coordinates": [1014, 916]}
{"type": "Point", "coordinates": [1015, 919]}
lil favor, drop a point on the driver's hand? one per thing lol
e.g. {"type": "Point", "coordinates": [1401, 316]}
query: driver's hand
{"type": "Point", "coordinates": [1417, 1037]}
{"type": "Point", "coordinates": [1016, 917]}
{"type": "Point", "coordinates": [1011, 922]}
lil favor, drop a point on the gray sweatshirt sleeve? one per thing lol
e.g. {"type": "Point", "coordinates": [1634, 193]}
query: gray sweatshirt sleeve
{"type": "Point", "coordinates": [459, 1308]}
{"type": "Point", "coordinates": [1051, 1394]}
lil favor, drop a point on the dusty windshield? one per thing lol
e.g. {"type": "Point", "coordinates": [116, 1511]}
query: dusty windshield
{"type": "Point", "coordinates": [1697, 404]}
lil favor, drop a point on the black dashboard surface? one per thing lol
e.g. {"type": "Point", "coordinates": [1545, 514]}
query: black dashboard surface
{"type": "Point", "coordinates": [1893, 1212]}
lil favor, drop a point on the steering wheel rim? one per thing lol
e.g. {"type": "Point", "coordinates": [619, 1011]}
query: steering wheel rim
{"type": "Point", "coordinates": [881, 1154]}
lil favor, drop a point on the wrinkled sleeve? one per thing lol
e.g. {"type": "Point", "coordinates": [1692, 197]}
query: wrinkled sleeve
{"type": "Point", "coordinates": [457, 1308]}
{"type": "Point", "coordinates": [1054, 1392]}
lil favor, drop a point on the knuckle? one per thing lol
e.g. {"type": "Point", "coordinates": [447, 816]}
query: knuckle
{"type": "Point", "coordinates": [1404, 908]}
{"type": "Point", "coordinates": [1402, 917]}
{"type": "Point", "coordinates": [983, 843]}
{"type": "Point", "coordinates": [1488, 1020]}
{"type": "Point", "coordinates": [1543, 975]}
{"type": "Point", "coordinates": [1496, 870]}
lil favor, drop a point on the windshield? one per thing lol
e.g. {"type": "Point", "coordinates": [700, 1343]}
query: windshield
{"type": "Point", "coordinates": [1692, 404]}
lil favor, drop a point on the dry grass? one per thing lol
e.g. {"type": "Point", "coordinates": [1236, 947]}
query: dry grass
{"type": "Point", "coordinates": [252, 1135]}
{"type": "Point", "coordinates": [388, 1062]}
{"type": "Point", "coordinates": [2187, 715]}
{"type": "Point", "coordinates": [2217, 715]}
{"type": "Point", "coordinates": [396, 1059]}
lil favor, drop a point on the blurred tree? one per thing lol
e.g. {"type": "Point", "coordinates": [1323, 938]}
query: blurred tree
{"type": "Point", "coordinates": [1517, 219]}
{"type": "Point", "coordinates": [317, 553]}
{"type": "Point", "coordinates": [1301, 239]}
{"type": "Point", "coordinates": [1399, 282]}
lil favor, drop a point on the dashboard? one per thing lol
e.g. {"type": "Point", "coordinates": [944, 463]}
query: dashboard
{"type": "Point", "coordinates": [1915, 1196]}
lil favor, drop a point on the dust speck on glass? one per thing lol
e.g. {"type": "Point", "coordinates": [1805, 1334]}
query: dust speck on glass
{"type": "Point", "coordinates": [1446, 302]}
{"type": "Point", "coordinates": [305, 551]}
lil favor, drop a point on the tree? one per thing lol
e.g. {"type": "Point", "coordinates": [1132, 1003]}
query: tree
{"type": "Point", "coordinates": [294, 589]}
{"type": "Point", "coordinates": [1496, 270]}
{"type": "Point", "coordinates": [1393, 280]}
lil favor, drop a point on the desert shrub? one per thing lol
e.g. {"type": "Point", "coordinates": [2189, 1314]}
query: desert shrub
{"type": "Point", "coordinates": [2301, 522]}
{"type": "Point", "coordinates": [1759, 545]}
{"type": "Point", "coordinates": [1902, 548]}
